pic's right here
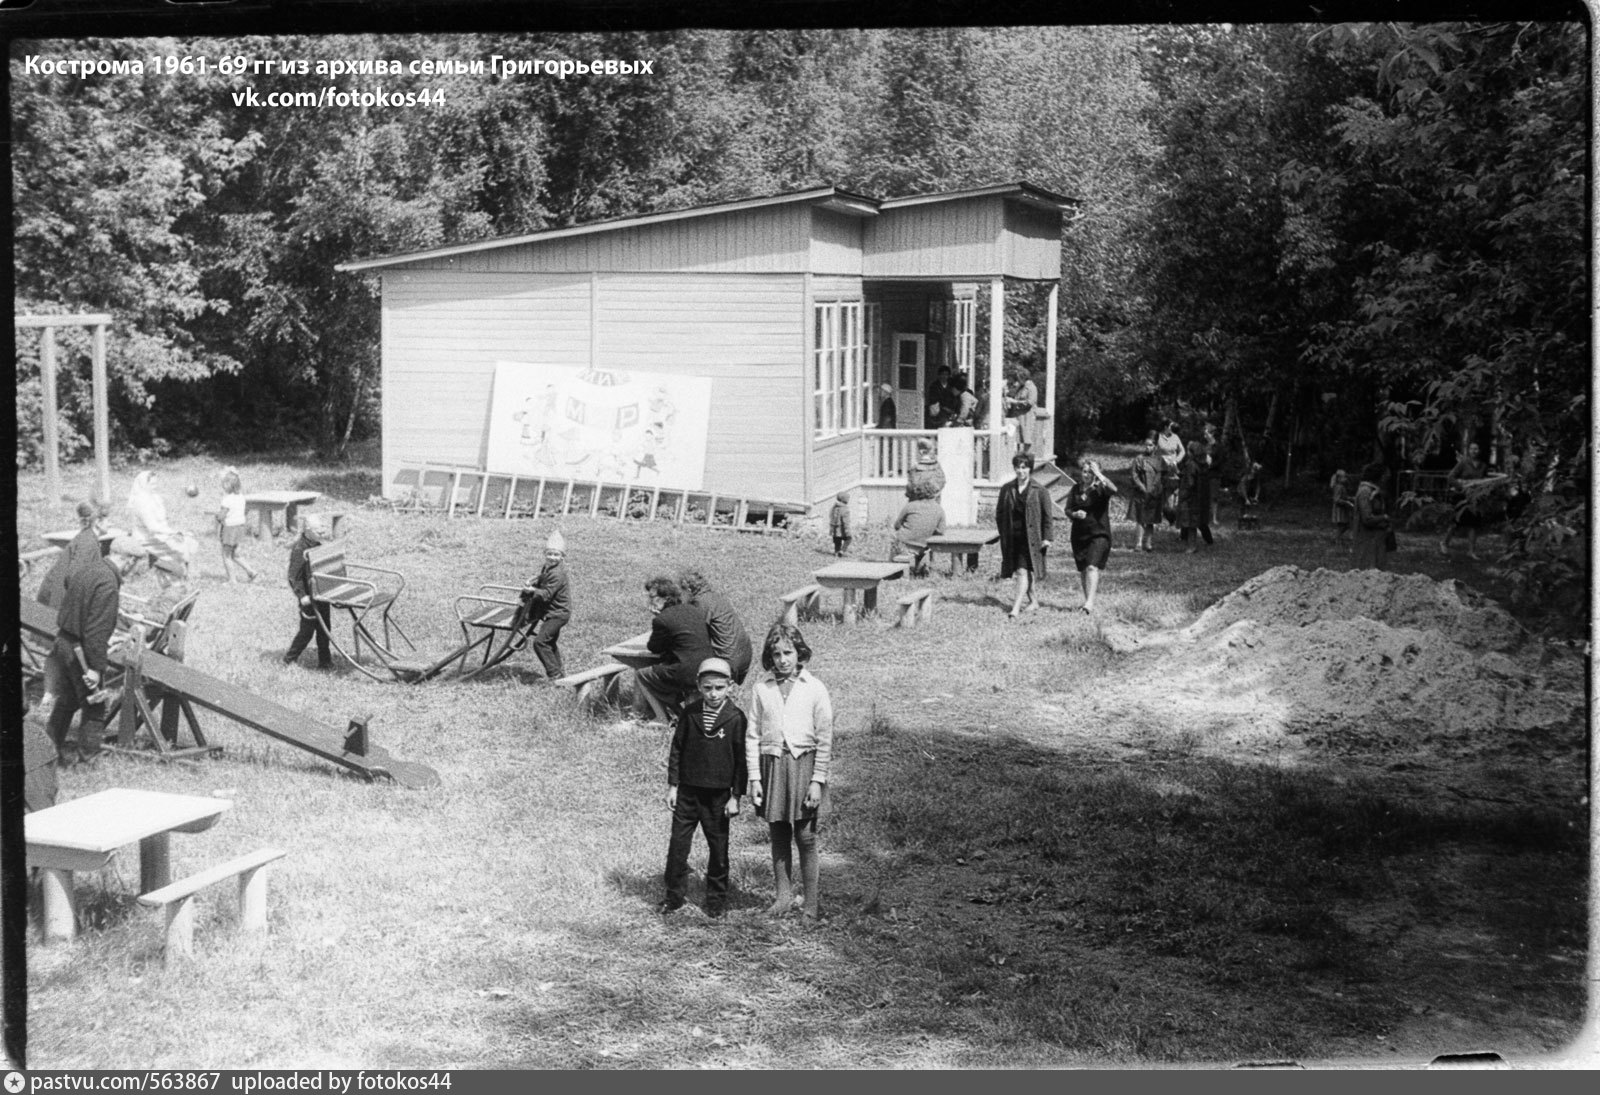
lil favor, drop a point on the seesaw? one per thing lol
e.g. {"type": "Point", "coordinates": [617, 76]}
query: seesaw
{"type": "Point", "coordinates": [152, 680]}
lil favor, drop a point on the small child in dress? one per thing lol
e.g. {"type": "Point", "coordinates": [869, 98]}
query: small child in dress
{"type": "Point", "coordinates": [230, 526]}
{"type": "Point", "coordinates": [1250, 498]}
{"type": "Point", "coordinates": [1344, 507]}
{"type": "Point", "coordinates": [705, 773]}
{"type": "Point", "coordinates": [839, 523]}
{"type": "Point", "coordinates": [787, 754]}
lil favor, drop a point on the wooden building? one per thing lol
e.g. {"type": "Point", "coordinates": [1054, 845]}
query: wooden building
{"type": "Point", "coordinates": [797, 307]}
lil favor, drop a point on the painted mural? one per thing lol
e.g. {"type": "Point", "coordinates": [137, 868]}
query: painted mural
{"type": "Point", "coordinates": [607, 425]}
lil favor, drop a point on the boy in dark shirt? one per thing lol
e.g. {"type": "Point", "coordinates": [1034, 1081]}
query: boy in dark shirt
{"type": "Point", "coordinates": [705, 775]}
{"type": "Point", "coordinates": [548, 599]}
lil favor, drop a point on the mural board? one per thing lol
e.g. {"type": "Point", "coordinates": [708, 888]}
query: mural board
{"type": "Point", "coordinates": [604, 425]}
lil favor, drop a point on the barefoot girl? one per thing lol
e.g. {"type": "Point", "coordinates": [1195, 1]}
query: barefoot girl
{"type": "Point", "coordinates": [787, 753]}
{"type": "Point", "coordinates": [230, 526]}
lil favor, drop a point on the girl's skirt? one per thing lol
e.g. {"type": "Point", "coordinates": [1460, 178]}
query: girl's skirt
{"type": "Point", "coordinates": [232, 535]}
{"type": "Point", "coordinates": [784, 781]}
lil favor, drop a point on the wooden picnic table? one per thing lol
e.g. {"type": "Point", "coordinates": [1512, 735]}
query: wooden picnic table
{"type": "Point", "coordinates": [265, 503]}
{"type": "Point", "coordinates": [65, 536]}
{"type": "Point", "coordinates": [82, 835]}
{"type": "Point", "coordinates": [962, 541]}
{"type": "Point", "coordinates": [850, 577]}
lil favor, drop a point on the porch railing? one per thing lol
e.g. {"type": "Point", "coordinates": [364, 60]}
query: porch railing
{"type": "Point", "coordinates": [891, 454]}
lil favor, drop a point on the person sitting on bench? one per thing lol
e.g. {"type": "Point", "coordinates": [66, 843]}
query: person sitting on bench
{"type": "Point", "coordinates": [681, 634]}
{"type": "Point", "coordinates": [919, 519]}
{"type": "Point", "coordinates": [168, 549]}
{"type": "Point", "coordinates": [729, 637]}
{"type": "Point", "coordinates": [547, 598]}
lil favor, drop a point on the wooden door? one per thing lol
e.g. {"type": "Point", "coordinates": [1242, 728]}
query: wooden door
{"type": "Point", "coordinates": [910, 368]}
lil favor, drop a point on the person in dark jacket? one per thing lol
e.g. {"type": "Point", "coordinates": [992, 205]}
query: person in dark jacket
{"type": "Point", "coordinates": [887, 412]}
{"type": "Point", "coordinates": [681, 634]}
{"type": "Point", "coordinates": [1194, 498]}
{"type": "Point", "coordinates": [1089, 504]}
{"type": "Point", "coordinates": [1023, 516]}
{"type": "Point", "coordinates": [547, 598]}
{"type": "Point", "coordinates": [312, 611]}
{"type": "Point", "coordinates": [729, 637]}
{"type": "Point", "coordinates": [83, 550]}
{"type": "Point", "coordinates": [81, 654]}
{"type": "Point", "coordinates": [705, 776]}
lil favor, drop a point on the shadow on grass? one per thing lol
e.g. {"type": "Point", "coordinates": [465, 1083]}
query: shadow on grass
{"type": "Point", "coordinates": [1000, 898]}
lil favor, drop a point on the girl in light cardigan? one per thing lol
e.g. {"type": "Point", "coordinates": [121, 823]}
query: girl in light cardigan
{"type": "Point", "coordinates": [787, 753]}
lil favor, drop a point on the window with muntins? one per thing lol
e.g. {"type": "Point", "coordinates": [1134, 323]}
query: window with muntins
{"type": "Point", "coordinates": [840, 369]}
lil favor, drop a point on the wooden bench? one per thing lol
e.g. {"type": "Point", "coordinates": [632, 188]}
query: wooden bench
{"type": "Point", "coordinates": [915, 607]}
{"type": "Point", "coordinates": [178, 898]}
{"type": "Point", "coordinates": [26, 560]}
{"type": "Point", "coordinates": [599, 685]}
{"type": "Point", "coordinates": [807, 599]}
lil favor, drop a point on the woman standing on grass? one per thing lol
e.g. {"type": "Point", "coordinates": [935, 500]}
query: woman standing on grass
{"type": "Point", "coordinates": [1089, 506]}
{"type": "Point", "coordinates": [1194, 497]}
{"type": "Point", "coordinates": [1372, 523]}
{"type": "Point", "coordinates": [1023, 516]}
{"type": "Point", "coordinates": [1144, 508]}
{"type": "Point", "coordinates": [787, 754]}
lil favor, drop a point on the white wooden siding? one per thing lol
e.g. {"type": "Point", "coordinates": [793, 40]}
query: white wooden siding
{"type": "Point", "coordinates": [933, 240]}
{"type": "Point", "coordinates": [836, 243]}
{"type": "Point", "coordinates": [775, 240]}
{"type": "Point", "coordinates": [1033, 243]}
{"type": "Point", "coordinates": [835, 466]}
{"type": "Point", "coordinates": [745, 333]}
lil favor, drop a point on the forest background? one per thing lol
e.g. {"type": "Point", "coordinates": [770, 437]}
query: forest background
{"type": "Point", "coordinates": [1347, 241]}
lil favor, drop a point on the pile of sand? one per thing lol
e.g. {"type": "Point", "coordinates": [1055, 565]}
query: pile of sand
{"type": "Point", "coordinates": [1364, 650]}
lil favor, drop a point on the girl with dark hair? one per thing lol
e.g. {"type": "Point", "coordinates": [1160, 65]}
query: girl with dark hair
{"type": "Point", "coordinates": [1089, 506]}
{"type": "Point", "coordinates": [787, 754]}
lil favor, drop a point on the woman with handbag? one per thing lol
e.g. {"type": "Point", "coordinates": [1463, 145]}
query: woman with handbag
{"type": "Point", "coordinates": [1374, 535]}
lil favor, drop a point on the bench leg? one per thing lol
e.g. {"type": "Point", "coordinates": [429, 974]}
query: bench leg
{"type": "Point", "coordinates": [253, 900]}
{"type": "Point", "coordinates": [791, 614]}
{"type": "Point", "coordinates": [927, 608]}
{"type": "Point", "coordinates": [155, 868]}
{"type": "Point", "coordinates": [849, 606]}
{"type": "Point", "coordinates": [869, 601]}
{"type": "Point", "coordinates": [180, 930]}
{"type": "Point", "coordinates": [60, 913]}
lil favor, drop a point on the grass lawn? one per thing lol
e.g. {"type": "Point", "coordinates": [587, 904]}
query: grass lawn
{"type": "Point", "coordinates": [1004, 882]}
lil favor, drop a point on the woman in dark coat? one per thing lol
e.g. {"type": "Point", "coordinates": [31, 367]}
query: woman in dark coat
{"type": "Point", "coordinates": [1194, 497]}
{"type": "Point", "coordinates": [1023, 517]}
{"type": "Point", "coordinates": [729, 638]}
{"type": "Point", "coordinates": [1371, 524]}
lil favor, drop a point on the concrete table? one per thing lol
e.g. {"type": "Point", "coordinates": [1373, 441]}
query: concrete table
{"type": "Point", "coordinates": [852, 576]}
{"type": "Point", "coordinates": [265, 503]}
{"type": "Point", "coordinates": [633, 653]}
{"type": "Point", "coordinates": [962, 541]}
{"type": "Point", "coordinates": [63, 538]}
{"type": "Point", "coordinates": [82, 834]}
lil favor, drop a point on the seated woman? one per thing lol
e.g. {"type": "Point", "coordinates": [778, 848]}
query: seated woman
{"type": "Point", "coordinates": [681, 634]}
{"type": "Point", "coordinates": [919, 519]}
{"type": "Point", "coordinates": [169, 550]}
{"type": "Point", "coordinates": [728, 635]}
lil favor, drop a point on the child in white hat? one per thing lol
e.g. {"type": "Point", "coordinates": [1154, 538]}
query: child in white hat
{"type": "Point", "coordinates": [547, 599]}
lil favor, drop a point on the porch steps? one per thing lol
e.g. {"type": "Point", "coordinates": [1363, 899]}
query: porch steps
{"type": "Point", "coordinates": [462, 491]}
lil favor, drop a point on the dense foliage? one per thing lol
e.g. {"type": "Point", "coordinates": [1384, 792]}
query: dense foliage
{"type": "Point", "coordinates": [1337, 241]}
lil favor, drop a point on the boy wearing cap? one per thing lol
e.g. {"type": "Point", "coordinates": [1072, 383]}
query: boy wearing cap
{"type": "Point", "coordinates": [312, 533]}
{"type": "Point", "coordinates": [705, 775]}
{"type": "Point", "coordinates": [547, 598]}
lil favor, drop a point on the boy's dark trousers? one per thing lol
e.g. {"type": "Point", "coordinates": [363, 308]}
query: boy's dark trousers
{"type": "Point", "coordinates": [308, 629]}
{"type": "Point", "coordinates": [706, 808]}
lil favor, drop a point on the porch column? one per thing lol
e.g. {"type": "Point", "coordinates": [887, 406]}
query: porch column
{"type": "Point", "coordinates": [997, 331]}
{"type": "Point", "coordinates": [1050, 366]}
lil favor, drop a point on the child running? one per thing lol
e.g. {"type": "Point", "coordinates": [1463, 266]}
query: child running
{"type": "Point", "coordinates": [787, 754]}
{"type": "Point", "coordinates": [230, 525]}
{"type": "Point", "coordinates": [705, 773]}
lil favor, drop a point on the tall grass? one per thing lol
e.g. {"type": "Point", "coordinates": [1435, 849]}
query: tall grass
{"type": "Point", "coordinates": [1002, 884]}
